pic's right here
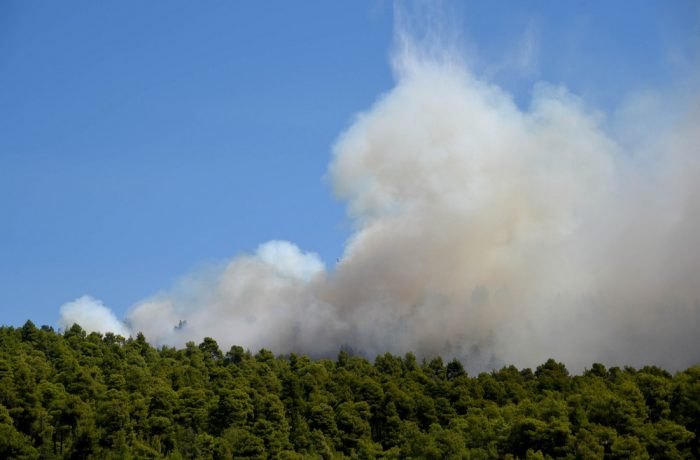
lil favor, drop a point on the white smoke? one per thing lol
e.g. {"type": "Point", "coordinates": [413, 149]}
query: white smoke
{"type": "Point", "coordinates": [92, 315]}
{"type": "Point", "coordinates": [482, 230]}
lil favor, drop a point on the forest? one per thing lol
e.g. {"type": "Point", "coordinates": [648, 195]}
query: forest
{"type": "Point", "coordinates": [79, 395]}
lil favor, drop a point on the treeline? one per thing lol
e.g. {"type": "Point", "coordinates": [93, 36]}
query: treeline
{"type": "Point", "coordinates": [79, 395]}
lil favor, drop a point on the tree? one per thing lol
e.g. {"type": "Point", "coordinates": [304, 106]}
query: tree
{"type": "Point", "coordinates": [79, 395]}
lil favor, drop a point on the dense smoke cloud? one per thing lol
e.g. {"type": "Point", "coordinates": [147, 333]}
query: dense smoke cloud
{"type": "Point", "coordinates": [92, 315]}
{"type": "Point", "coordinates": [484, 231]}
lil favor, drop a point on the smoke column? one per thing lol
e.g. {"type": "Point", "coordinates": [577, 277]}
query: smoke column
{"type": "Point", "coordinates": [482, 230]}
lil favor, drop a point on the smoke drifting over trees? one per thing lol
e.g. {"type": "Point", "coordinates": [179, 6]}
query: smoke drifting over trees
{"type": "Point", "coordinates": [482, 230]}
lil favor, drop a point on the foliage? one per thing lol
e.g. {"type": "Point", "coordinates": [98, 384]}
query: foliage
{"type": "Point", "coordinates": [79, 395]}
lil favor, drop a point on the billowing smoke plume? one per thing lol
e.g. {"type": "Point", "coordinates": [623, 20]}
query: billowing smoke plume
{"type": "Point", "coordinates": [482, 230]}
{"type": "Point", "coordinates": [92, 315]}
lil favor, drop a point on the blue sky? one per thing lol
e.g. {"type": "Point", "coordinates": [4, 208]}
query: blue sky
{"type": "Point", "coordinates": [140, 140]}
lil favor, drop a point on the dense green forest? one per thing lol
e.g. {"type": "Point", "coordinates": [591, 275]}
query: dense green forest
{"type": "Point", "coordinates": [79, 395]}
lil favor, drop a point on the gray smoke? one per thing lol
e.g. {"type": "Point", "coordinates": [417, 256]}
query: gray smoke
{"type": "Point", "coordinates": [482, 230]}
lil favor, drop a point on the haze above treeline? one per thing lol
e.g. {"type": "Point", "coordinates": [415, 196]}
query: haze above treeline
{"type": "Point", "coordinates": [488, 221]}
{"type": "Point", "coordinates": [483, 229]}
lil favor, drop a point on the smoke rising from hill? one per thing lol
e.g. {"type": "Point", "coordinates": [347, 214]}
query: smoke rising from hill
{"type": "Point", "coordinates": [484, 231]}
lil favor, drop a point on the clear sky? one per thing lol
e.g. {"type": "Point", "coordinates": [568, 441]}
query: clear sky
{"type": "Point", "coordinates": [141, 140]}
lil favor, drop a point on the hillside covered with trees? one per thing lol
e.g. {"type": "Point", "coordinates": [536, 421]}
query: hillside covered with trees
{"type": "Point", "coordinates": [79, 395]}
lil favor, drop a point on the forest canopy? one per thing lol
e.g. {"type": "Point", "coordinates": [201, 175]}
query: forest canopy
{"type": "Point", "coordinates": [80, 395]}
